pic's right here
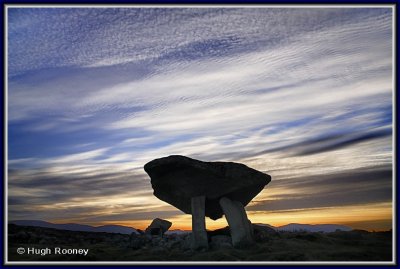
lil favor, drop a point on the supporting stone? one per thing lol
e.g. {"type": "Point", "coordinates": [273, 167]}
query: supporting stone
{"type": "Point", "coordinates": [199, 234]}
{"type": "Point", "coordinates": [240, 226]}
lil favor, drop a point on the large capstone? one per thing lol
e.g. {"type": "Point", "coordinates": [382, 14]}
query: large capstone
{"type": "Point", "coordinates": [176, 179]}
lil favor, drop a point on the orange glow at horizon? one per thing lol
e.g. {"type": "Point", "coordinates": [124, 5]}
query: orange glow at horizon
{"type": "Point", "coordinates": [357, 217]}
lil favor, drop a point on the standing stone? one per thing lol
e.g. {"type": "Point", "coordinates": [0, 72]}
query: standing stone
{"type": "Point", "coordinates": [199, 233]}
{"type": "Point", "coordinates": [239, 224]}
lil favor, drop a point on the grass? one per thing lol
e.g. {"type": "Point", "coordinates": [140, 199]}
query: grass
{"type": "Point", "coordinates": [282, 246]}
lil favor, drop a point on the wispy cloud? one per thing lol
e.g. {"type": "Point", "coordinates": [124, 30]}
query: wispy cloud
{"type": "Point", "coordinates": [104, 37]}
{"type": "Point", "coordinates": [351, 187]}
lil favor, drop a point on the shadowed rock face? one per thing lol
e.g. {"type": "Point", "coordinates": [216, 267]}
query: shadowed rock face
{"type": "Point", "coordinates": [176, 179]}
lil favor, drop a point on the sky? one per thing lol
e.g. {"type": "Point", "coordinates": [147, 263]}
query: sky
{"type": "Point", "coordinates": [302, 94]}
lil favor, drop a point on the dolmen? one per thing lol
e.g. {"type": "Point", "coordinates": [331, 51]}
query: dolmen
{"type": "Point", "coordinates": [211, 189]}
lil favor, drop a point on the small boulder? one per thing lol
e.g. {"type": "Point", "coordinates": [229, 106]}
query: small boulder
{"type": "Point", "coordinates": [221, 231]}
{"type": "Point", "coordinates": [158, 227]}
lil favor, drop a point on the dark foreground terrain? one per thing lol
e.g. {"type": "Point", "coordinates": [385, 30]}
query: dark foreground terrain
{"type": "Point", "coordinates": [270, 246]}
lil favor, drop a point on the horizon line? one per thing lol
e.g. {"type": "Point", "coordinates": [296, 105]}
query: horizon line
{"type": "Point", "coordinates": [189, 230]}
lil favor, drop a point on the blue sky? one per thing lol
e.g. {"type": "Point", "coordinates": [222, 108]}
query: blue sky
{"type": "Point", "coordinates": [95, 93]}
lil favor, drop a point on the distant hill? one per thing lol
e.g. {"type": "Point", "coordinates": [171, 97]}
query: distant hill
{"type": "Point", "coordinates": [77, 227]}
{"type": "Point", "coordinates": [267, 225]}
{"type": "Point", "coordinates": [326, 228]}
{"type": "Point", "coordinates": [292, 227]}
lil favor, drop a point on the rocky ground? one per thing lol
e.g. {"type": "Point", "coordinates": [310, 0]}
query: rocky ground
{"type": "Point", "coordinates": [270, 246]}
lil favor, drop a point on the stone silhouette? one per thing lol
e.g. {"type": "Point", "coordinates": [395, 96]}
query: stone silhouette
{"type": "Point", "coordinates": [158, 227]}
{"type": "Point", "coordinates": [211, 189]}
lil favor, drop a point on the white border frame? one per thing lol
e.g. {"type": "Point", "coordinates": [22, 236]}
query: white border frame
{"type": "Point", "coordinates": [394, 173]}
